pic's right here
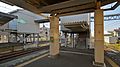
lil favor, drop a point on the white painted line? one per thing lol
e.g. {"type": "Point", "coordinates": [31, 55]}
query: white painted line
{"type": "Point", "coordinates": [77, 53]}
{"type": "Point", "coordinates": [28, 62]}
{"type": "Point", "coordinates": [115, 51]}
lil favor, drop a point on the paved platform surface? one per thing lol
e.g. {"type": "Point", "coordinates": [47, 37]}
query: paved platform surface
{"type": "Point", "coordinates": [66, 59]}
{"type": "Point", "coordinates": [89, 51]}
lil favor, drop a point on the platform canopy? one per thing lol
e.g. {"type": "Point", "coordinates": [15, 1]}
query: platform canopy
{"type": "Point", "coordinates": [5, 18]}
{"type": "Point", "coordinates": [75, 27]}
{"type": "Point", "coordinates": [42, 21]}
{"type": "Point", "coordinates": [60, 7]}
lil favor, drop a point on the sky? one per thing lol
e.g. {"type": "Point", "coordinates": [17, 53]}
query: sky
{"type": "Point", "coordinates": [109, 25]}
{"type": "Point", "coordinates": [7, 8]}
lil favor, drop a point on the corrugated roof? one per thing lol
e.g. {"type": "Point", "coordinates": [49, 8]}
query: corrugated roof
{"type": "Point", "coordinates": [73, 23]}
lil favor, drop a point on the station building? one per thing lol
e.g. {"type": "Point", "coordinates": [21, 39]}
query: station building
{"type": "Point", "coordinates": [21, 28]}
{"type": "Point", "coordinates": [76, 30]}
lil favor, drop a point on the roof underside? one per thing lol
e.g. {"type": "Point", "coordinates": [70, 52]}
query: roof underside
{"type": "Point", "coordinates": [42, 21]}
{"type": "Point", "coordinates": [4, 18]}
{"type": "Point", "coordinates": [61, 7]}
{"type": "Point", "coordinates": [75, 27]}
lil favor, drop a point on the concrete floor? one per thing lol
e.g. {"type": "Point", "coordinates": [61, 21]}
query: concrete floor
{"type": "Point", "coordinates": [67, 59]}
{"type": "Point", "coordinates": [64, 60]}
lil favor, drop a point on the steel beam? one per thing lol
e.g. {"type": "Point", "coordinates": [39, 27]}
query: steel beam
{"type": "Point", "coordinates": [109, 17]}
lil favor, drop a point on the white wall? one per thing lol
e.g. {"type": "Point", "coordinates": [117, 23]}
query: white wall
{"type": "Point", "coordinates": [3, 27]}
{"type": "Point", "coordinates": [112, 40]}
{"type": "Point", "coordinates": [25, 22]}
{"type": "Point", "coordinates": [106, 39]}
{"type": "Point", "coordinates": [76, 18]}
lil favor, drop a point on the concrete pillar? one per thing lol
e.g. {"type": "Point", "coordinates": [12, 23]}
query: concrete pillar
{"type": "Point", "coordinates": [65, 39]}
{"type": "Point", "coordinates": [30, 38]}
{"type": "Point", "coordinates": [16, 37]}
{"type": "Point", "coordinates": [2, 38]}
{"type": "Point", "coordinates": [54, 36]}
{"type": "Point", "coordinates": [46, 34]}
{"type": "Point", "coordinates": [70, 39]}
{"type": "Point", "coordinates": [73, 40]}
{"type": "Point", "coordinates": [8, 37]}
{"type": "Point", "coordinates": [99, 35]}
{"type": "Point", "coordinates": [24, 39]}
{"type": "Point", "coordinates": [38, 39]}
{"type": "Point", "coordinates": [33, 37]}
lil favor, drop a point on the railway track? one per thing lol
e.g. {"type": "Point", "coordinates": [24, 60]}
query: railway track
{"type": "Point", "coordinates": [114, 55]}
{"type": "Point", "coordinates": [20, 52]}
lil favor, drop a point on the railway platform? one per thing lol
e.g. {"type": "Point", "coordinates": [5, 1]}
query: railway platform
{"type": "Point", "coordinates": [67, 58]}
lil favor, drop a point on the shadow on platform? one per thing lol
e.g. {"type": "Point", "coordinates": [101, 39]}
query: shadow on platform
{"type": "Point", "coordinates": [64, 60]}
{"type": "Point", "coordinates": [67, 58]}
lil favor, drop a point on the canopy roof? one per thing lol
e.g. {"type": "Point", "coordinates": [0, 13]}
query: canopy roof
{"type": "Point", "coordinates": [75, 27]}
{"type": "Point", "coordinates": [61, 7]}
{"type": "Point", "coordinates": [4, 18]}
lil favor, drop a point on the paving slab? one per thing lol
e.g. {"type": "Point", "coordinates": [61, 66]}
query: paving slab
{"type": "Point", "coordinates": [64, 60]}
{"type": "Point", "coordinates": [68, 58]}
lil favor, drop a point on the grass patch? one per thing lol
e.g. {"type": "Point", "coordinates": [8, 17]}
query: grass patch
{"type": "Point", "coordinates": [113, 46]}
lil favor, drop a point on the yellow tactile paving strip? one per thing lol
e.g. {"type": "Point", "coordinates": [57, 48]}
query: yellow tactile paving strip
{"type": "Point", "coordinates": [28, 62]}
{"type": "Point", "coordinates": [113, 64]}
